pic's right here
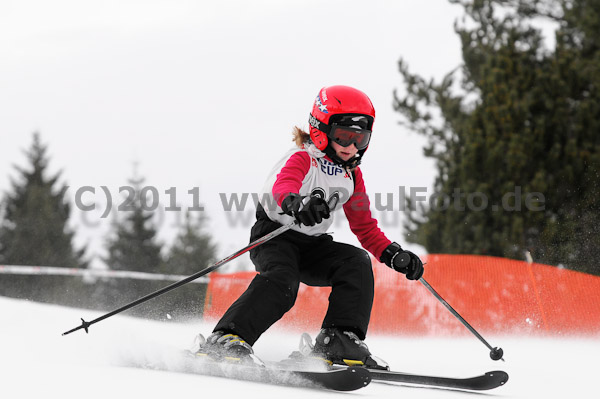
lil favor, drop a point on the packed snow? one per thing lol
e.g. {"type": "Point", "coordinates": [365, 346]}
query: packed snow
{"type": "Point", "coordinates": [38, 362]}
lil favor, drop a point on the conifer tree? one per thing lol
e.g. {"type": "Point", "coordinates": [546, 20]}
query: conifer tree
{"type": "Point", "coordinates": [133, 244]}
{"type": "Point", "coordinates": [34, 230]}
{"type": "Point", "coordinates": [192, 249]}
{"type": "Point", "coordinates": [516, 119]}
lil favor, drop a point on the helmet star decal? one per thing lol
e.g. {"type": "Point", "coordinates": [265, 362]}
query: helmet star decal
{"type": "Point", "coordinates": [322, 107]}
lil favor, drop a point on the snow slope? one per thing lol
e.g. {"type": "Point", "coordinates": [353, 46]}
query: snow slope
{"type": "Point", "coordinates": [37, 362]}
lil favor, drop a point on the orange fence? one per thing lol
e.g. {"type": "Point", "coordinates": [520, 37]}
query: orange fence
{"type": "Point", "coordinates": [495, 295]}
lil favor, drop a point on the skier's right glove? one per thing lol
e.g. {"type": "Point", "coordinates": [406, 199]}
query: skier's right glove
{"type": "Point", "coordinates": [403, 261]}
{"type": "Point", "coordinates": [306, 210]}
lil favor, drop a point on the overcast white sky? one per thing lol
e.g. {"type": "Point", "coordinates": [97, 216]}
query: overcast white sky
{"type": "Point", "coordinates": [204, 94]}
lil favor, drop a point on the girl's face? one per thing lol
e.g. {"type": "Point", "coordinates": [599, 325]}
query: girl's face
{"type": "Point", "coordinates": [344, 153]}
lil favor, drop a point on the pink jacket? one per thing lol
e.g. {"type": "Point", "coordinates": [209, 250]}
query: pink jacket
{"type": "Point", "coordinates": [305, 170]}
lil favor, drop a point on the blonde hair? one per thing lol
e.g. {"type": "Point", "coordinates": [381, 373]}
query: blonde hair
{"type": "Point", "coordinates": [300, 137]}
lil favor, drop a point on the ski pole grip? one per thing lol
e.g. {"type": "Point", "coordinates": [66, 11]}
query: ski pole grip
{"type": "Point", "coordinates": [333, 200]}
{"type": "Point", "coordinates": [403, 259]}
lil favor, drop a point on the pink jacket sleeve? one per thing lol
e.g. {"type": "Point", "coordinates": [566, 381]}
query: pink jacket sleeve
{"type": "Point", "coordinates": [289, 179]}
{"type": "Point", "coordinates": [362, 224]}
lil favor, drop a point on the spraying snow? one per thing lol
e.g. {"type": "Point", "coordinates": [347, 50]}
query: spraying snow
{"type": "Point", "coordinates": [38, 362]}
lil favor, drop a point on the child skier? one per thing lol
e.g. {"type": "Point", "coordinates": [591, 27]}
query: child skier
{"type": "Point", "coordinates": [324, 163]}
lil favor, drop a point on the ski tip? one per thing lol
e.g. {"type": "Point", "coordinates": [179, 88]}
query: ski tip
{"type": "Point", "coordinates": [361, 377]}
{"type": "Point", "coordinates": [361, 372]}
{"type": "Point", "coordinates": [498, 375]}
{"type": "Point", "coordinates": [347, 379]}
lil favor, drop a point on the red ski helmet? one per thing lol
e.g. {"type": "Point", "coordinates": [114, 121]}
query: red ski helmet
{"type": "Point", "coordinates": [341, 106]}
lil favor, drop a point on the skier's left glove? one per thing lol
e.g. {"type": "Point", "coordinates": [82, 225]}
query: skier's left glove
{"type": "Point", "coordinates": [403, 261]}
{"type": "Point", "coordinates": [307, 211]}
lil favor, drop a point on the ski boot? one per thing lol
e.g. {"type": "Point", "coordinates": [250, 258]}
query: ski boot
{"type": "Point", "coordinates": [227, 347]}
{"type": "Point", "coordinates": [335, 346]}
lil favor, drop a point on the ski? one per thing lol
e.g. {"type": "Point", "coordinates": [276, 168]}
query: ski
{"type": "Point", "coordinates": [346, 379]}
{"type": "Point", "coordinates": [336, 380]}
{"type": "Point", "coordinates": [486, 381]}
{"type": "Point", "coordinates": [489, 380]}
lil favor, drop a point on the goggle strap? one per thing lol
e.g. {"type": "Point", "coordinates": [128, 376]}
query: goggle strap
{"type": "Point", "coordinates": [317, 124]}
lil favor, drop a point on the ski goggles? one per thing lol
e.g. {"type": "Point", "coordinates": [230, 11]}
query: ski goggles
{"type": "Point", "coordinates": [346, 136]}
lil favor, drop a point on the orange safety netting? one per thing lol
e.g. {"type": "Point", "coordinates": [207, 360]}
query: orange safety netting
{"type": "Point", "coordinates": [495, 295]}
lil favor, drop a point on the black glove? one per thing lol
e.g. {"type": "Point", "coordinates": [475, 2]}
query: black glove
{"type": "Point", "coordinates": [403, 261]}
{"type": "Point", "coordinates": [309, 211]}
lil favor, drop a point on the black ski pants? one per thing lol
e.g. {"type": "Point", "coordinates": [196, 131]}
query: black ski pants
{"type": "Point", "coordinates": [291, 258]}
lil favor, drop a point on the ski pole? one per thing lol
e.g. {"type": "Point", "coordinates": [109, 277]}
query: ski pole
{"type": "Point", "coordinates": [86, 324]}
{"type": "Point", "coordinates": [332, 202]}
{"type": "Point", "coordinates": [495, 353]}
